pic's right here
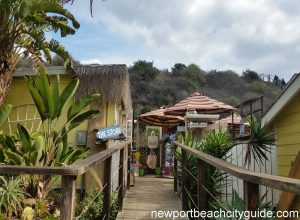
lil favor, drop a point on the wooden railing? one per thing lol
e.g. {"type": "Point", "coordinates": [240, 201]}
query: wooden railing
{"type": "Point", "coordinates": [69, 175]}
{"type": "Point", "coordinates": [251, 180]}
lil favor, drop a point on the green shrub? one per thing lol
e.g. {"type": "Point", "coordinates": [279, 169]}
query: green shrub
{"type": "Point", "coordinates": [92, 204]}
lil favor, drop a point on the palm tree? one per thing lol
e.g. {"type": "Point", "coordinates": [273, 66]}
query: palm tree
{"type": "Point", "coordinates": [23, 25]}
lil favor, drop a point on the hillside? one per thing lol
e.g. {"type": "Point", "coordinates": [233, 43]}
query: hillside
{"type": "Point", "coordinates": [152, 88]}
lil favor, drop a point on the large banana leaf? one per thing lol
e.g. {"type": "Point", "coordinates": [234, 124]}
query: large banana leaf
{"type": "Point", "coordinates": [80, 104]}
{"type": "Point", "coordinates": [4, 113]}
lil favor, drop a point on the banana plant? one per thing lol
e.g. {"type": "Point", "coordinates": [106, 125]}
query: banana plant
{"type": "Point", "coordinates": [24, 25]}
{"type": "Point", "coordinates": [50, 103]}
{"type": "Point", "coordinates": [48, 147]}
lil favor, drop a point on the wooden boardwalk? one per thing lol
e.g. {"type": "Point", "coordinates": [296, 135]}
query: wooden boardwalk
{"type": "Point", "coordinates": [149, 193]}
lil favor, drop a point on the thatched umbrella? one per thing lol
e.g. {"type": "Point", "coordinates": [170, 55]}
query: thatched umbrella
{"type": "Point", "coordinates": [201, 103]}
{"type": "Point", "coordinates": [158, 118]}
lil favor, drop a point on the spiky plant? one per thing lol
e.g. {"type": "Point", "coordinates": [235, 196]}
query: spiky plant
{"type": "Point", "coordinates": [216, 143]}
{"type": "Point", "coordinates": [11, 195]}
{"type": "Point", "coordinates": [259, 143]}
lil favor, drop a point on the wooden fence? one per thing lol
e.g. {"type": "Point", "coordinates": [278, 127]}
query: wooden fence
{"type": "Point", "coordinates": [71, 172]}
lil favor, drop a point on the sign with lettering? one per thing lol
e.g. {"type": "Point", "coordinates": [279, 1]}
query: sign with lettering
{"type": "Point", "coordinates": [112, 132]}
{"type": "Point", "coordinates": [197, 125]}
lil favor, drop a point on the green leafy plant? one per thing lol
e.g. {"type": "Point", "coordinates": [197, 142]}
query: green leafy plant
{"type": "Point", "coordinates": [92, 204]}
{"type": "Point", "coordinates": [50, 146]}
{"type": "Point", "coordinates": [24, 24]}
{"type": "Point", "coordinates": [11, 195]}
{"type": "Point", "coordinates": [237, 203]}
{"type": "Point", "coordinates": [259, 143]}
{"type": "Point", "coordinates": [216, 143]}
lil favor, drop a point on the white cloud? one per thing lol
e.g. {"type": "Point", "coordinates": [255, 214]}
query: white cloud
{"type": "Point", "coordinates": [91, 61]}
{"type": "Point", "coordinates": [263, 35]}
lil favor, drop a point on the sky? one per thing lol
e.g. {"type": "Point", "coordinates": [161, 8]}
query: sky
{"type": "Point", "coordinates": [261, 35]}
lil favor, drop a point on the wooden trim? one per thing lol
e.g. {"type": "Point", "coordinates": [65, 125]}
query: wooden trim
{"type": "Point", "coordinates": [75, 169]}
{"type": "Point", "coordinates": [277, 182]}
{"type": "Point", "coordinates": [68, 198]}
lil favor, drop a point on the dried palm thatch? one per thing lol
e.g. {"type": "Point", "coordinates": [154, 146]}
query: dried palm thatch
{"type": "Point", "coordinates": [111, 81]}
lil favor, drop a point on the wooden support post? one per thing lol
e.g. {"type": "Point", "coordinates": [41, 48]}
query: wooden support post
{"type": "Point", "coordinates": [107, 189]}
{"type": "Point", "coordinates": [251, 196]}
{"type": "Point", "coordinates": [121, 180]}
{"type": "Point", "coordinates": [184, 181]}
{"type": "Point", "coordinates": [262, 106]}
{"type": "Point", "coordinates": [175, 171]}
{"type": "Point", "coordinates": [201, 193]}
{"type": "Point", "coordinates": [137, 133]}
{"type": "Point", "coordinates": [68, 191]}
{"type": "Point", "coordinates": [232, 125]}
{"type": "Point", "coordinates": [128, 167]}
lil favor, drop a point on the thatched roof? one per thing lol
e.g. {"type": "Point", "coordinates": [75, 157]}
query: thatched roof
{"type": "Point", "coordinates": [111, 81]}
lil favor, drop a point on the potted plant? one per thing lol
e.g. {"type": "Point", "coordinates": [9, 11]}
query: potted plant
{"type": "Point", "coordinates": [157, 171]}
{"type": "Point", "coordinates": [141, 169]}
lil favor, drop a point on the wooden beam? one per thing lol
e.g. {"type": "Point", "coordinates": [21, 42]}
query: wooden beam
{"type": "Point", "coordinates": [75, 169]}
{"type": "Point", "coordinates": [184, 181]}
{"type": "Point", "coordinates": [107, 190]}
{"type": "Point", "coordinates": [121, 180]}
{"type": "Point", "coordinates": [201, 183]}
{"type": "Point", "coordinates": [277, 182]}
{"type": "Point", "coordinates": [128, 166]}
{"type": "Point", "coordinates": [68, 197]}
{"type": "Point", "coordinates": [251, 197]}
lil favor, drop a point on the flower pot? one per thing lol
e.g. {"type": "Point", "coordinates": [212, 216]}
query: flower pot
{"type": "Point", "coordinates": [157, 170]}
{"type": "Point", "coordinates": [141, 171]}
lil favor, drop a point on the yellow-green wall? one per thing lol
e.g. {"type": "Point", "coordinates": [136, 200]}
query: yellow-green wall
{"type": "Point", "coordinates": [287, 130]}
{"type": "Point", "coordinates": [19, 95]}
{"type": "Point", "coordinates": [109, 112]}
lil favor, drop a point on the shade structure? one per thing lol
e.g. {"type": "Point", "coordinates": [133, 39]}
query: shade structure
{"type": "Point", "coordinates": [158, 118]}
{"type": "Point", "coordinates": [201, 103]}
{"type": "Point", "coordinates": [236, 119]}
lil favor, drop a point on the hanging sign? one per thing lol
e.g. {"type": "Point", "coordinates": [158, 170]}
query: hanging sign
{"type": "Point", "coordinates": [197, 125]}
{"type": "Point", "coordinates": [112, 132]}
{"type": "Point", "coordinates": [152, 141]}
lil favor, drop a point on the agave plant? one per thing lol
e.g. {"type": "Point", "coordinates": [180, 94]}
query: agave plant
{"type": "Point", "coordinates": [259, 143]}
{"type": "Point", "coordinates": [23, 25]}
{"type": "Point", "coordinates": [216, 143]}
{"type": "Point", "coordinates": [11, 195]}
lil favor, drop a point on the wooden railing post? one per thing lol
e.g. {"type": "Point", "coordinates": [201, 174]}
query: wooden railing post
{"type": "Point", "coordinates": [121, 180]}
{"type": "Point", "coordinates": [201, 193]}
{"type": "Point", "coordinates": [251, 196]}
{"type": "Point", "coordinates": [128, 167]}
{"type": "Point", "coordinates": [107, 189]}
{"type": "Point", "coordinates": [68, 190]}
{"type": "Point", "coordinates": [184, 181]}
{"type": "Point", "coordinates": [175, 171]}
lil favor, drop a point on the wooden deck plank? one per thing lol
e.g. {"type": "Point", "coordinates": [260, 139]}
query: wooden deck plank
{"type": "Point", "coordinates": [149, 193]}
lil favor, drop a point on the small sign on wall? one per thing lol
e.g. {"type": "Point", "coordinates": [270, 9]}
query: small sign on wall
{"type": "Point", "coordinates": [110, 133]}
{"type": "Point", "coordinates": [197, 125]}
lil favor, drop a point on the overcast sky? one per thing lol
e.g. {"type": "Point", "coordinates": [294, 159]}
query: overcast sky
{"type": "Point", "coordinates": [262, 35]}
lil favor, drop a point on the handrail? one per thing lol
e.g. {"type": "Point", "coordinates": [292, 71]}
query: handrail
{"type": "Point", "coordinates": [69, 174]}
{"type": "Point", "coordinates": [273, 181]}
{"type": "Point", "coordinates": [251, 180]}
{"type": "Point", "coordinates": [75, 169]}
